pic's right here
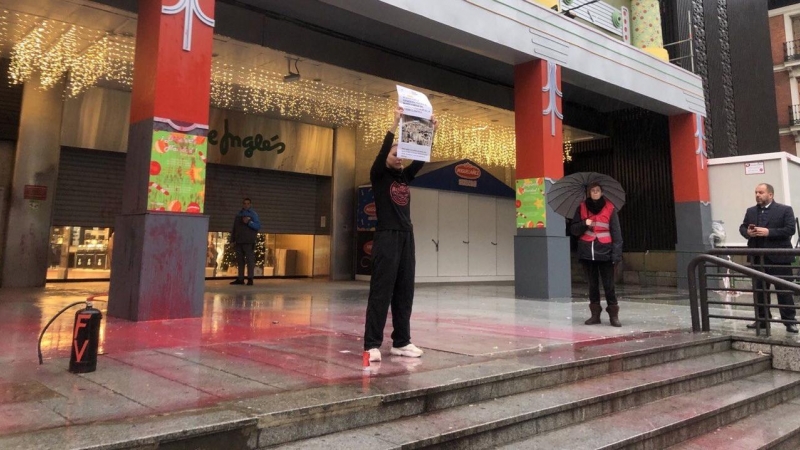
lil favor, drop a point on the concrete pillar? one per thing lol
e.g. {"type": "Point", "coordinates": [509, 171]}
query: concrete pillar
{"type": "Point", "coordinates": [541, 249]}
{"type": "Point", "coordinates": [690, 187]}
{"type": "Point", "coordinates": [343, 205]}
{"type": "Point", "coordinates": [160, 239]}
{"type": "Point", "coordinates": [35, 164]}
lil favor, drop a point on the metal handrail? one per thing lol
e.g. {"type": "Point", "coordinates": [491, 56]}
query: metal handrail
{"type": "Point", "coordinates": [698, 284]}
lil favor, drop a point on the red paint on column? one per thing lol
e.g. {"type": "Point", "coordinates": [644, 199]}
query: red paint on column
{"type": "Point", "coordinates": [689, 168]}
{"type": "Point", "coordinates": [539, 152]}
{"type": "Point", "coordinates": [168, 81]}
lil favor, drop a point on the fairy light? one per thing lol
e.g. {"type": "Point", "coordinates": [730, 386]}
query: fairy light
{"type": "Point", "coordinates": [252, 90]}
{"type": "Point", "coordinates": [222, 88]}
{"type": "Point", "coordinates": [121, 50]}
{"type": "Point", "coordinates": [25, 55]}
{"type": "Point", "coordinates": [257, 91]}
{"type": "Point", "coordinates": [93, 64]}
{"type": "Point", "coordinates": [54, 64]}
{"type": "Point", "coordinates": [567, 157]}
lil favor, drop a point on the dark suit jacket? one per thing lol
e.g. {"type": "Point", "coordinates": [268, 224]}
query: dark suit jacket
{"type": "Point", "coordinates": [780, 222]}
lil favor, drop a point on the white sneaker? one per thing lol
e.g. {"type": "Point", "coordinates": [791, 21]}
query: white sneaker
{"type": "Point", "coordinates": [410, 350]}
{"type": "Point", "coordinates": [374, 355]}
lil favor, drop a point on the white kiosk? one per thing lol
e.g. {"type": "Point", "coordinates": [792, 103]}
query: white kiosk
{"type": "Point", "coordinates": [732, 183]}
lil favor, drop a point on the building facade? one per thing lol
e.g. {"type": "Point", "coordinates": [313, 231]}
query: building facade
{"type": "Point", "coordinates": [784, 29]}
{"type": "Point", "coordinates": [286, 102]}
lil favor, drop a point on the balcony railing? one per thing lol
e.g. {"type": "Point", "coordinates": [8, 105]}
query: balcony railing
{"type": "Point", "coordinates": [791, 51]}
{"type": "Point", "coordinates": [794, 115]}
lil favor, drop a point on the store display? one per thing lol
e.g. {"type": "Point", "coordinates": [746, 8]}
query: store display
{"type": "Point", "coordinates": [85, 253]}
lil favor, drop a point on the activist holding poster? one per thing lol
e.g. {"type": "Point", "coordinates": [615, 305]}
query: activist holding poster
{"type": "Point", "coordinates": [393, 260]}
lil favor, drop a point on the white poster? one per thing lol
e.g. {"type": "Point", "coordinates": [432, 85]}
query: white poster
{"type": "Point", "coordinates": [416, 128]}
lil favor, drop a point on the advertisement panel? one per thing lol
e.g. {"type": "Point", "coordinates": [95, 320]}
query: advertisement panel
{"type": "Point", "coordinates": [531, 211]}
{"type": "Point", "coordinates": [177, 172]}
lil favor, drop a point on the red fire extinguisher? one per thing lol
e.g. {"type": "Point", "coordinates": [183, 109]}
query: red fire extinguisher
{"type": "Point", "coordinates": [85, 340]}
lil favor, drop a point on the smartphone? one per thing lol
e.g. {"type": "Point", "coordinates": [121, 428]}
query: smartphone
{"type": "Point", "coordinates": [751, 227]}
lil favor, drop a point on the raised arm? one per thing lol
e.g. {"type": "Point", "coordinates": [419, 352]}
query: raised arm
{"type": "Point", "coordinates": [379, 165]}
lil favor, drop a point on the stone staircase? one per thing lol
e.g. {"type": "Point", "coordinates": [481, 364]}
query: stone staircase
{"type": "Point", "coordinates": [673, 390]}
{"type": "Point", "coordinates": [667, 392]}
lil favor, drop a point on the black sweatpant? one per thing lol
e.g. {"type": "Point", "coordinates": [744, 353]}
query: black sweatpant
{"type": "Point", "coordinates": [245, 252]}
{"type": "Point", "coordinates": [596, 271]}
{"type": "Point", "coordinates": [392, 283]}
{"type": "Point", "coordinates": [785, 272]}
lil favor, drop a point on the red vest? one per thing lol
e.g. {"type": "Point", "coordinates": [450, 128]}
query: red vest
{"type": "Point", "coordinates": [602, 229]}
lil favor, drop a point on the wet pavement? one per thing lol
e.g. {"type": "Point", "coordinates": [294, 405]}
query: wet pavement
{"type": "Point", "coordinates": [285, 336]}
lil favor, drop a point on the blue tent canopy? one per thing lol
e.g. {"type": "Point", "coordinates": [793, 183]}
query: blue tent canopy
{"type": "Point", "coordinates": [461, 176]}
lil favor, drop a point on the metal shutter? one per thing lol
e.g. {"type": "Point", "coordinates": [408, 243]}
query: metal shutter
{"type": "Point", "coordinates": [285, 202]}
{"type": "Point", "coordinates": [90, 184]}
{"type": "Point", "coordinates": [89, 188]}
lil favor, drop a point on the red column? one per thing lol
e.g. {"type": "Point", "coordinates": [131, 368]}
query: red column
{"type": "Point", "coordinates": [540, 141]}
{"type": "Point", "coordinates": [541, 251]}
{"type": "Point", "coordinates": [169, 81]}
{"type": "Point", "coordinates": [160, 239]}
{"type": "Point", "coordinates": [171, 89]}
{"type": "Point", "coordinates": [689, 158]}
{"type": "Point", "coordinates": [690, 186]}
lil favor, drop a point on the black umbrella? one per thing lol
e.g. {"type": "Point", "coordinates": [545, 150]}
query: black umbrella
{"type": "Point", "coordinates": [567, 193]}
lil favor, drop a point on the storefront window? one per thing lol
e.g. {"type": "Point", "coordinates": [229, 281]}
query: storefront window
{"type": "Point", "coordinates": [276, 255]}
{"type": "Point", "coordinates": [80, 253]}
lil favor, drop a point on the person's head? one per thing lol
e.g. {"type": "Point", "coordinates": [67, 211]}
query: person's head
{"type": "Point", "coordinates": [246, 203]}
{"type": "Point", "coordinates": [392, 161]}
{"type": "Point", "coordinates": [594, 191]}
{"type": "Point", "coordinates": [764, 194]}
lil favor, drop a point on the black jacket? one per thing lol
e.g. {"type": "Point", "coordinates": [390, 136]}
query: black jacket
{"type": "Point", "coordinates": [595, 250]}
{"type": "Point", "coordinates": [780, 222]}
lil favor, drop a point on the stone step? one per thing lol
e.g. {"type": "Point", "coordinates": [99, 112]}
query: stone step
{"type": "Point", "coordinates": [465, 385]}
{"type": "Point", "coordinates": [489, 423]}
{"type": "Point", "coordinates": [775, 428]}
{"type": "Point", "coordinates": [295, 415]}
{"type": "Point", "coordinates": [672, 420]}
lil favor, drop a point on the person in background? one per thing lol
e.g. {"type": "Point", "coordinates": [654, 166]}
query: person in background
{"type": "Point", "coordinates": [243, 236]}
{"type": "Point", "coordinates": [596, 225]}
{"type": "Point", "coordinates": [110, 250]}
{"type": "Point", "coordinates": [770, 224]}
{"type": "Point", "coordinates": [393, 259]}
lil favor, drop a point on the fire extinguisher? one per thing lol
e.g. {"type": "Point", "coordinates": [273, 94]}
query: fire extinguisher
{"type": "Point", "coordinates": [85, 340]}
{"type": "Point", "coordinates": [85, 336]}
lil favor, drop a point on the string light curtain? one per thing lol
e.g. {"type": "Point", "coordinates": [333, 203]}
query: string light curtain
{"type": "Point", "coordinates": [85, 57]}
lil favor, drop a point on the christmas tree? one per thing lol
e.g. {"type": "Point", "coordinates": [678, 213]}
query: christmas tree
{"type": "Point", "coordinates": [229, 258]}
{"type": "Point", "coordinates": [261, 250]}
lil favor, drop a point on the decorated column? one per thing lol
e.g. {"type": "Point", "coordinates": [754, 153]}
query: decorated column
{"type": "Point", "coordinates": [646, 28]}
{"type": "Point", "coordinates": [160, 238]}
{"type": "Point", "coordinates": [690, 186]}
{"type": "Point", "coordinates": [541, 250]}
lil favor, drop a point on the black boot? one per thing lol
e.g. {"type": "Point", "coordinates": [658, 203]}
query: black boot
{"type": "Point", "coordinates": [613, 315]}
{"type": "Point", "coordinates": [596, 310]}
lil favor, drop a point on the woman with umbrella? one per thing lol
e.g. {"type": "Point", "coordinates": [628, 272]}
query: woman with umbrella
{"type": "Point", "coordinates": [596, 225]}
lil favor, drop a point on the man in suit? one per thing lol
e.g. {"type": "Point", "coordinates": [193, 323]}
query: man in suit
{"type": "Point", "coordinates": [770, 224]}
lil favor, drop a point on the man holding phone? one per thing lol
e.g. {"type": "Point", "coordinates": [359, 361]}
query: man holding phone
{"type": "Point", "coordinates": [770, 224]}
